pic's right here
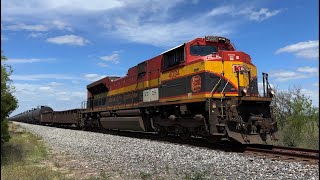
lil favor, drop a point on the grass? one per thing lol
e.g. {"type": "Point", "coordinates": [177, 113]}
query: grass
{"type": "Point", "coordinates": [21, 155]}
{"type": "Point", "coordinates": [308, 137]}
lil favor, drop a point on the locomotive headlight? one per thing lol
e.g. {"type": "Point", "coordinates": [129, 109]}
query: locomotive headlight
{"type": "Point", "coordinates": [214, 105]}
{"type": "Point", "coordinates": [271, 92]}
{"type": "Point", "coordinates": [244, 91]}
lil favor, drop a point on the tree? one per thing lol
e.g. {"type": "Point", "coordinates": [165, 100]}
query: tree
{"type": "Point", "coordinates": [297, 118]}
{"type": "Point", "coordinates": [8, 102]}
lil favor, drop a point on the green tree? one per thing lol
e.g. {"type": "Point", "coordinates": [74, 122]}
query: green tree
{"type": "Point", "coordinates": [8, 102]}
{"type": "Point", "coordinates": [298, 119]}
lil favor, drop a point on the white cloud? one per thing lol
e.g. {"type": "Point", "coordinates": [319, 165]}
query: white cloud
{"type": "Point", "coordinates": [19, 27]}
{"type": "Point", "coordinates": [38, 29]}
{"type": "Point", "coordinates": [23, 60]}
{"type": "Point", "coordinates": [103, 65]}
{"type": "Point", "coordinates": [315, 84]}
{"type": "Point", "coordinates": [133, 22]}
{"type": "Point", "coordinates": [36, 7]}
{"type": "Point", "coordinates": [55, 84]}
{"type": "Point", "coordinates": [221, 11]}
{"type": "Point", "coordinates": [248, 12]}
{"type": "Point", "coordinates": [261, 15]}
{"type": "Point", "coordinates": [35, 35]}
{"type": "Point", "coordinates": [93, 77]}
{"type": "Point", "coordinates": [288, 75]}
{"type": "Point", "coordinates": [306, 49]}
{"type": "Point", "coordinates": [307, 69]}
{"type": "Point", "coordinates": [113, 58]}
{"type": "Point", "coordinates": [166, 34]}
{"type": "Point", "coordinates": [37, 77]}
{"type": "Point", "coordinates": [299, 73]}
{"type": "Point", "coordinates": [68, 39]}
{"type": "Point", "coordinates": [61, 25]}
{"type": "Point", "coordinates": [46, 89]}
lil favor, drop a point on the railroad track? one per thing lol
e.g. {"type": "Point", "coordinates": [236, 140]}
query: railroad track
{"type": "Point", "coordinates": [308, 156]}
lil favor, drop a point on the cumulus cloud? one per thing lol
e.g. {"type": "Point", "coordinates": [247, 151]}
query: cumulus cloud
{"type": "Point", "coordinates": [299, 73]}
{"type": "Point", "coordinates": [37, 77]}
{"type": "Point", "coordinates": [132, 21]}
{"type": "Point", "coordinates": [307, 69]}
{"type": "Point", "coordinates": [248, 12]}
{"type": "Point", "coordinates": [38, 29]}
{"type": "Point", "coordinates": [55, 84]}
{"type": "Point", "coordinates": [260, 15]}
{"type": "Point", "coordinates": [19, 27]}
{"type": "Point", "coordinates": [35, 7]}
{"type": "Point", "coordinates": [166, 34]}
{"type": "Point", "coordinates": [113, 58]}
{"type": "Point", "coordinates": [306, 49]}
{"type": "Point", "coordinates": [93, 77]}
{"type": "Point", "coordinates": [103, 64]}
{"type": "Point", "coordinates": [36, 35]}
{"type": "Point", "coordinates": [289, 75]}
{"type": "Point", "coordinates": [68, 39]}
{"type": "Point", "coordinates": [24, 60]}
{"type": "Point", "coordinates": [221, 11]}
{"type": "Point", "coordinates": [61, 25]}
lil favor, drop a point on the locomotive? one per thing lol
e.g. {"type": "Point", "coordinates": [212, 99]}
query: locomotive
{"type": "Point", "coordinates": [203, 87]}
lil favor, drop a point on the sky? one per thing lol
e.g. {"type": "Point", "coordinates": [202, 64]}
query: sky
{"type": "Point", "coordinates": [57, 47]}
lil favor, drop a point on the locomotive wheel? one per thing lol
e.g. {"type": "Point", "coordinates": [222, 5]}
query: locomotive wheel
{"type": "Point", "coordinates": [162, 132]}
{"type": "Point", "coordinates": [185, 135]}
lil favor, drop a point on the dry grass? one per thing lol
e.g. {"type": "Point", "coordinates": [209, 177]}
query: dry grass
{"type": "Point", "coordinates": [20, 157]}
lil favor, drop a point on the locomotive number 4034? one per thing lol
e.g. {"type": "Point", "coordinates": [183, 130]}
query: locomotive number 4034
{"type": "Point", "coordinates": [174, 73]}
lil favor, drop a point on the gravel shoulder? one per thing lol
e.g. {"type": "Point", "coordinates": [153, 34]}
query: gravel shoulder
{"type": "Point", "coordinates": [84, 154]}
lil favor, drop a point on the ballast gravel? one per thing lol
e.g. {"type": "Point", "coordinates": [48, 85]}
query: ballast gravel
{"type": "Point", "coordinates": [121, 157]}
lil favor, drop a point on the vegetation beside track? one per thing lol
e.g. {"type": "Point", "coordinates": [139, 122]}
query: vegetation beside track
{"type": "Point", "coordinates": [21, 155]}
{"type": "Point", "coordinates": [8, 102]}
{"type": "Point", "coordinates": [297, 118]}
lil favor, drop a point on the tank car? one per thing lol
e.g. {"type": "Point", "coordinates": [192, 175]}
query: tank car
{"type": "Point", "coordinates": [204, 87]}
{"type": "Point", "coordinates": [33, 115]}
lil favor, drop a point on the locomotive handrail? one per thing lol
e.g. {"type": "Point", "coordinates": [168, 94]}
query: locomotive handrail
{"type": "Point", "coordinates": [225, 86]}
{"type": "Point", "coordinates": [222, 93]}
{"type": "Point", "coordinates": [210, 100]}
{"type": "Point", "coordinates": [215, 87]}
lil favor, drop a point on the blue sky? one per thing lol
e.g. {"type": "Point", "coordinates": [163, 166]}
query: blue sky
{"type": "Point", "coordinates": [57, 47]}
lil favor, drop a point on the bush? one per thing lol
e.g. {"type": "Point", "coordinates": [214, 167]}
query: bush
{"type": "Point", "coordinates": [298, 120]}
{"type": "Point", "coordinates": [8, 101]}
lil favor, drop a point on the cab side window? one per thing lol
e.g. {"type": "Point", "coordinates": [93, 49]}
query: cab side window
{"type": "Point", "coordinates": [173, 57]}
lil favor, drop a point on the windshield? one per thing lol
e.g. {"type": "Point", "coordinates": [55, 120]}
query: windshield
{"type": "Point", "coordinates": [202, 50]}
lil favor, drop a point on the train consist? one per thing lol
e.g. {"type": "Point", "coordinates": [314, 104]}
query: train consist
{"type": "Point", "coordinates": [204, 87]}
{"type": "Point", "coordinates": [46, 116]}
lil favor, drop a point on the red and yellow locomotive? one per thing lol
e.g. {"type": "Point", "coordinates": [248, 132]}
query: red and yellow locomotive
{"type": "Point", "coordinates": [203, 87]}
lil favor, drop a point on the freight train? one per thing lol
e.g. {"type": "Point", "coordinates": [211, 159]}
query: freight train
{"type": "Point", "coordinates": [204, 87]}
